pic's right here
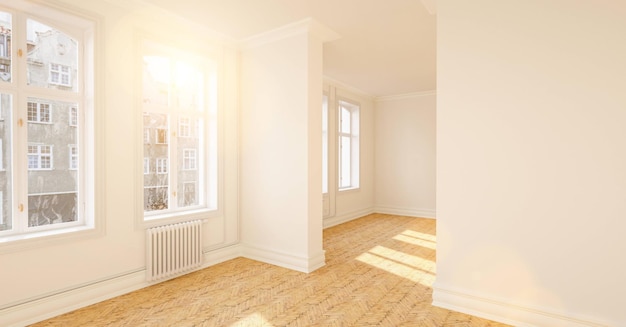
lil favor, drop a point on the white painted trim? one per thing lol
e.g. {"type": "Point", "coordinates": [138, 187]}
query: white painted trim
{"type": "Point", "coordinates": [346, 217]}
{"type": "Point", "coordinates": [404, 96]}
{"type": "Point", "coordinates": [307, 25]}
{"type": "Point", "coordinates": [346, 87]}
{"type": "Point", "coordinates": [285, 260]}
{"type": "Point", "coordinates": [410, 212]}
{"type": "Point", "coordinates": [214, 257]}
{"type": "Point", "coordinates": [506, 312]}
{"type": "Point", "coordinates": [54, 304]}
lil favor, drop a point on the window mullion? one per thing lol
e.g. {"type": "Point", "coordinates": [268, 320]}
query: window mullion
{"type": "Point", "coordinates": [173, 161]}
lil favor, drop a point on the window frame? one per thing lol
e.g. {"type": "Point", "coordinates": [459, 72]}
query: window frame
{"type": "Point", "coordinates": [208, 130]}
{"type": "Point", "coordinates": [354, 109]}
{"type": "Point", "coordinates": [60, 74]}
{"type": "Point", "coordinates": [86, 29]}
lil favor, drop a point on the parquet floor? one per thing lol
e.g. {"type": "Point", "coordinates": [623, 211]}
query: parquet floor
{"type": "Point", "coordinates": [379, 271]}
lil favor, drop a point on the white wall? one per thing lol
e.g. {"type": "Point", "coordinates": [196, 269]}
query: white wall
{"type": "Point", "coordinates": [47, 280]}
{"type": "Point", "coordinates": [281, 209]}
{"type": "Point", "coordinates": [405, 155]}
{"type": "Point", "coordinates": [531, 157]}
{"type": "Point", "coordinates": [352, 204]}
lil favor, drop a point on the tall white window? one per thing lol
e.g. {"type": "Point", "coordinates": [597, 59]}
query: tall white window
{"type": "Point", "coordinates": [325, 144]}
{"type": "Point", "coordinates": [348, 137]}
{"type": "Point", "coordinates": [179, 103]}
{"type": "Point", "coordinates": [42, 184]}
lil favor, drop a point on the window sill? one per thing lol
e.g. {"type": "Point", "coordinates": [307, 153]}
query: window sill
{"type": "Point", "coordinates": [349, 189]}
{"type": "Point", "coordinates": [177, 217]}
{"type": "Point", "coordinates": [12, 243]}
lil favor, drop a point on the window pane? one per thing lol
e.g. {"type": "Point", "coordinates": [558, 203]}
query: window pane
{"type": "Point", "coordinates": [5, 46]}
{"type": "Point", "coordinates": [344, 174]}
{"type": "Point", "coordinates": [345, 120]}
{"type": "Point", "coordinates": [6, 105]}
{"type": "Point", "coordinates": [156, 150]}
{"type": "Point", "coordinates": [156, 81]}
{"type": "Point", "coordinates": [52, 57]}
{"type": "Point", "coordinates": [52, 183]}
{"type": "Point", "coordinates": [189, 172]}
{"type": "Point", "coordinates": [187, 88]}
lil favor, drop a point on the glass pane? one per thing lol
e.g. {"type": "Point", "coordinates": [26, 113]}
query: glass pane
{"type": "Point", "coordinates": [156, 159]}
{"type": "Point", "coordinates": [52, 159]}
{"type": "Point", "coordinates": [52, 57]}
{"type": "Point", "coordinates": [344, 174]}
{"type": "Point", "coordinates": [5, 46]}
{"type": "Point", "coordinates": [345, 120]}
{"type": "Point", "coordinates": [189, 170]}
{"type": "Point", "coordinates": [156, 82]}
{"type": "Point", "coordinates": [187, 88]}
{"type": "Point", "coordinates": [6, 105]}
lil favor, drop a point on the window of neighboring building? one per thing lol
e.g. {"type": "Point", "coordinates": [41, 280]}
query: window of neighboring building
{"type": "Point", "coordinates": [184, 127]}
{"type": "Point", "coordinates": [146, 135]}
{"type": "Point", "coordinates": [189, 159]}
{"type": "Point", "coordinates": [161, 165]}
{"type": "Point", "coordinates": [60, 74]}
{"type": "Point", "coordinates": [39, 157]}
{"type": "Point", "coordinates": [179, 102]}
{"type": "Point", "coordinates": [73, 157]}
{"type": "Point", "coordinates": [39, 112]}
{"type": "Point", "coordinates": [40, 100]}
{"type": "Point", "coordinates": [348, 137]}
{"type": "Point", "coordinates": [73, 116]}
{"type": "Point", "coordinates": [146, 166]}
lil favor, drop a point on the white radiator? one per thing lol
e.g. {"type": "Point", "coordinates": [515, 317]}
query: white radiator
{"type": "Point", "coordinates": [173, 249]}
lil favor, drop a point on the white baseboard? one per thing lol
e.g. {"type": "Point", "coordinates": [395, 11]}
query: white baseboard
{"type": "Point", "coordinates": [51, 305]}
{"type": "Point", "coordinates": [346, 217]}
{"type": "Point", "coordinates": [63, 301]}
{"type": "Point", "coordinates": [285, 260]}
{"type": "Point", "coordinates": [504, 312]}
{"type": "Point", "coordinates": [410, 212]}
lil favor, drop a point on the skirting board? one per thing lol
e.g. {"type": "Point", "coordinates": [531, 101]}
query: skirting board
{"type": "Point", "coordinates": [340, 219]}
{"type": "Point", "coordinates": [410, 212]}
{"type": "Point", "coordinates": [285, 260]}
{"type": "Point", "coordinates": [512, 314]}
{"type": "Point", "coordinates": [64, 301]}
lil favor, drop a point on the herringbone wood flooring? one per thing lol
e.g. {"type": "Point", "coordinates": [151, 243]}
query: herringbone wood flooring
{"type": "Point", "coordinates": [379, 271]}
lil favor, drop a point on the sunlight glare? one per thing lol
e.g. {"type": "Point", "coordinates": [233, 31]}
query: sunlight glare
{"type": "Point", "coordinates": [397, 269]}
{"type": "Point", "coordinates": [415, 241]}
{"type": "Point", "coordinates": [423, 236]}
{"type": "Point", "coordinates": [159, 68]}
{"type": "Point", "coordinates": [254, 319]}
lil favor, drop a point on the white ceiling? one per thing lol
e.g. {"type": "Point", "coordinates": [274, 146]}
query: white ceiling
{"type": "Point", "coordinates": [387, 47]}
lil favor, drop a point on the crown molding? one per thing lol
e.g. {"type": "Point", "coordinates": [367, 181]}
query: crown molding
{"type": "Point", "coordinates": [405, 96]}
{"type": "Point", "coordinates": [346, 87]}
{"type": "Point", "coordinates": [307, 25]}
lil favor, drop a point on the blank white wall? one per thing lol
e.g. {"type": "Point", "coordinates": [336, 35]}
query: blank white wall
{"type": "Point", "coordinates": [405, 155]}
{"type": "Point", "coordinates": [531, 157]}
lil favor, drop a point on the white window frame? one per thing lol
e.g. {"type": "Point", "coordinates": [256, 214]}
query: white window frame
{"type": "Point", "coordinates": [146, 135]}
{"type": "Point", "coordinates": [204, 119]}
{"type": "Point", "coordinates": [57, 73]}
{"type": "Point", "coordinates": [84, 28]}
{"type": "Point", "coordinates": [40, 155]}
{"type": "Point", "coordinates": [351, 172]}
{"type": "Point", "coordinates": [40, 109]}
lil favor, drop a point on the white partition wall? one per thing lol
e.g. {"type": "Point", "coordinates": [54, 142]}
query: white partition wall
{"type": "Point", "coordinates": [531, 157]}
